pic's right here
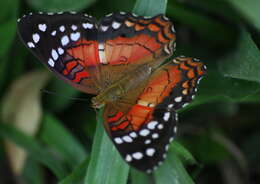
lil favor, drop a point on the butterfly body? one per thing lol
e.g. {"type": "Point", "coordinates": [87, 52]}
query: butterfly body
{"type": "Point", "coordinates": [121, 60]}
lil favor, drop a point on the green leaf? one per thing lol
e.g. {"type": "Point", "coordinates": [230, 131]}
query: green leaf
{"type": "Point", "coordinates": [63, 142]}
{"type": "Point", "coordinates": [106, 165]}
{"type": "Point", "coordinates": [244, 61]}
{"type": "Point", "coordinates": [206, 148]}
{"type": "Point", "coordinates": [183, 153]}
{"type": "Point", "coordinates": [139, 177]}
{"type": "Point", "coordinates": [150, 7]}
{"type": "Point", "coordinates": [8, 32]}
{"type": "Point", "coordinates": [215, 87]}
{"type": "Point", "coordinates": [8, 10]}
{"type": "Point", "coordinates": [195, 19]}
{"type": "Point", "coordinates": [34, 149]}
{"type": "Point", "coordinates": [38, 173]}
{"type": "Point", "coordinates": [172, 171]}
{"type": "Point", "coordinates": [76, 177]}
{"type": "Point", "coordinates": [250, 9]}
{"type": "Point", "coordinates": [60, 5]}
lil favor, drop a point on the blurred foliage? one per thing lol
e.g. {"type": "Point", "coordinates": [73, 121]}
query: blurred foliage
{"type": "Point", "coordinates": [218, 132]}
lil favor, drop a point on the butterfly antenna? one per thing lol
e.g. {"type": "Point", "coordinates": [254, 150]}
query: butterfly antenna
{"type": "Point", "coordinates": [56, 94]}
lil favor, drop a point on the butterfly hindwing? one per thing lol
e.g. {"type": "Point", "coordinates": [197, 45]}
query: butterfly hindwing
{"type": "Point", "coordinates": [143, 131]}
{"type": "Point", "coordinates": [66, 44]}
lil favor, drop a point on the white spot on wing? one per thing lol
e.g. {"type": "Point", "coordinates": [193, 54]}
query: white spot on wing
{"type": "Point", "coordinates": [116, 25]}
{"type": "Point", "coordinates": [51, 62]}
{"type": "Point", "coordinates": [155, 135]}
{"type": "Point", "coordinates": [166, 116]}
{"type": "Point", "coordinates": [128, 158]}
{"type": "Point", "coordinates": [42, 27]}
{"type": "Point", "coordinates": [133, 134]}
{"type": "Point", "coordinates": [150, 152]}
{"type": "Point", "coordinates": [87, 26]}
{"type": "Point", "coordinates": [137, 155]}
{"type": "Point", "coordinates": [178, 99]}
{"type": "Point", "coordinates": [118, 140]}
{"type": "Point", "coordinates": [175, 129]}
{"type": "Point", "coordinates": [74, 27]}
{"type": "Point", "coordinates": [127, 138]}
{"type": "Point", "coordinates": [60, 51]}
{"type": "Point", "coordinates": [152, 125]}
{"type": "Point", "coordinates": [62, 28]}
{"type": "Point", "coordinates": [147, 141]}
{"type": "Point", "coordinates": [64, 40]}
{"type": "Point", "coordinates": [30, 45]}
{"type": "Point", "coordinates": [144, 132]}
{"type": "Point", "coordinates": [36, 37]}
{"type": "Point", "coordinates": [172, 29]}
{"type": "Point", "coordinates": [170, 106]}
{"type": "Point", "coordinates": [54, 54]}
{"type": "Point", "coordinates": [53, 33]}
{"type": "Point", "coordinates": [167, 147]}
{"type": "Point", "coordinates": [75, 36]}
{"type": "Point", "coordinates": [101, 46]}
{"type": "Point", "coordinates": [160, 126]}
{"type": "Point", "coordinates": [102, 56]}
{"type": "Point", "coordinates": [104, 28]}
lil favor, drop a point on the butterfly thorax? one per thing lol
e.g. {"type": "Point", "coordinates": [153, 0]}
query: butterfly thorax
{"type": "Point", "coordinates": [118, 89]}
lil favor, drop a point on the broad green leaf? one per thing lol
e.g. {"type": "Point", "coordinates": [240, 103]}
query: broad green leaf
{"type": "Point", "coordinates": [21, 106]}
{"type": "Point", "coordinates": [172, 171]}
{"type": "Point", "coordinates": [38, 173]}
{"type": "Point", "coordinates": [244, 61]}
{"type": "Point", "coordinates": [139, 177]}
{"type": "Point", "coordinates": [63, 142]}
{"type": "Point", "coordinates": [206, 148]}
{"type": "Point", "coordinates": [183, 153]}
{"type": "Point", "coordinates": [60, 5]}
{"type": "Point", "coordinates": [150, 7]}
{"type": "Point", "coordinates": [106, 165]}
{"type": "Point", "coordinates": [195, 20]}
{"type": "Point", "coordinates": [8, 32]}
{"type": "Point", "coordinates": [77, 176]}
{"type": "Point", "coordinates": [214, 7]}
{"type": "Point", "coordinates": [250, 9]}
{"type": "Point", "coordinates": [36, 151]}
{"type": "Point", "coordinates": [8, 10]}
{"type": "Point", "coordinates": [216, 87]}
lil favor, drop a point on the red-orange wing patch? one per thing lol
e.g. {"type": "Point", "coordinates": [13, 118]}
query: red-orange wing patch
{"type": "Point", "coordinates": [143, 131]}
{"type": "Point", "coordinates": [129, 39]}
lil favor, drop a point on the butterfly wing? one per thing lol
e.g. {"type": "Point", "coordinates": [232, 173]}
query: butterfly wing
{"type": "Point", "coordinates": [66, 43]}
{"type": "Point", "coordinates": [128, 41]}
{"type": "Point", "coordinates": [143, 128]}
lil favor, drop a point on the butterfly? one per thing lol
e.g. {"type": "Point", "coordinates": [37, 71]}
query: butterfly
{"type": "Point", "coordinates": [122, 59]}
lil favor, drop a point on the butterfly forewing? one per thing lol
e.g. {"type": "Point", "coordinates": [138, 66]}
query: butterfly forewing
{"type": "Point", "coordinates": [67, 44]}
